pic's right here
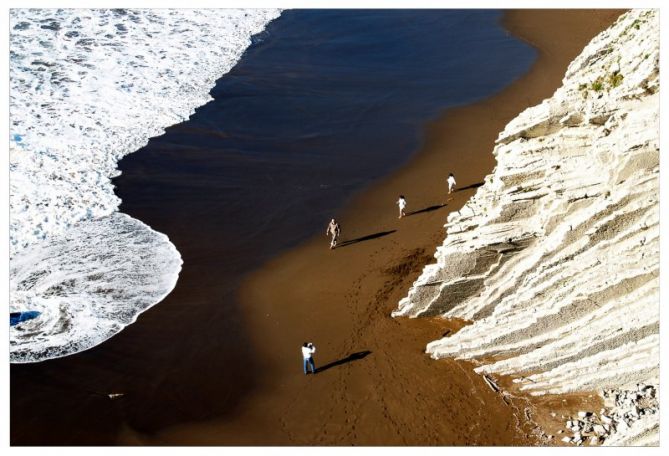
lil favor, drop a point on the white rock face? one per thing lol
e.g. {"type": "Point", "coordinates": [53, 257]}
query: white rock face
{"type": "Point", "coordinates": [556, 258]}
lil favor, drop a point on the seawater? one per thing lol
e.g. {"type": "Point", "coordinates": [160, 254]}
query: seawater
{"type": "Point", "coordinates": [86, 88]}
{"type": "Point", "coordinates": [324, 103]}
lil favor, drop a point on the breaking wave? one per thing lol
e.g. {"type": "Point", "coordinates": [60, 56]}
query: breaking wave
{"type": "Point", "coordinates": [89, 283]}
{"type": "Point", "coordinates": [86, 88]}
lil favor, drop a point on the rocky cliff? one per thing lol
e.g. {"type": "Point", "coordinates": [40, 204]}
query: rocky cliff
{"type": "Point", "coordinates": [555, 260]}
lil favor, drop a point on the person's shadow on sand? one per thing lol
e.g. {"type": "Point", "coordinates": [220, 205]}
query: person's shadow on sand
{"type": "Point", "coordinates": [369, 237]}
{"type": "Point", "coordinates": [469, 187]}
{"type": "Point", "coordinates": [352, 357]}
{"type": "Point", "coordinates": [427, 209]}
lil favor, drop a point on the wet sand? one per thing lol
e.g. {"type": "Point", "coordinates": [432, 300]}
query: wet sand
{"type": "Point", "coordinates": [376, 386]}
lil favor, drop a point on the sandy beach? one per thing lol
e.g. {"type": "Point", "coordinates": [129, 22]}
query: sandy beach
{"type": "Point", "coordinates": [375, 385]}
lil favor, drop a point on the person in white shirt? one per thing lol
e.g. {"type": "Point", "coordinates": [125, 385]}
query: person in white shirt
{"type": "Point", "coordinates": [308, 351]}
{"type": "Point", "coordinates": [334, 230]}
{"type": "Point", "coordinates": [402, 203]}
{"type": "Point", "coordinates": [451, 182]}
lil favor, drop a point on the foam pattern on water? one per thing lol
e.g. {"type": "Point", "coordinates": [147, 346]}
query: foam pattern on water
{"type": "Point", "coordinates": [90, 86]}
{"type": "Point", "coordinates": [89, 283]}
{"type": "Point", "coordinates": [86, 88]}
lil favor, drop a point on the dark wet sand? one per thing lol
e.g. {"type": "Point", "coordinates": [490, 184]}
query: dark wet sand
{"type": "Point", "coordinates": [378, 388]}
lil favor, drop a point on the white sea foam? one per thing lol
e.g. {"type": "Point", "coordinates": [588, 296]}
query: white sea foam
{"type": "Point", "coordinates": [86, 88]}
{"type": "Point", "coordinates": [89, 282]}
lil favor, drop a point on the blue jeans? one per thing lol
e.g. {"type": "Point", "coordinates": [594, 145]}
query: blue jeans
{"type": "Point", "coordinates": [309, 361]}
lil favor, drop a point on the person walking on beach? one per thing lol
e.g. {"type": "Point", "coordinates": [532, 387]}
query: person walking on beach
{"type": "Point", "coordinates": [451, 183]}
{"type": "Point", "coordinates": [308, 351]}
{"type": "Point", "coordinates": [402, 203]}
{"type": "Point", "coordinates": [334, 230]}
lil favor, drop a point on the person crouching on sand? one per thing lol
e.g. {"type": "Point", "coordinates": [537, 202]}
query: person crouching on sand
{"type": "Point", "coordinates": [402, 203]}
{"type": "Point", "coordinates": [451, 183]}
{"type": "Point", "coordinates": [334, 230]}
{"type": "Point", "coordinates": [308, 351]}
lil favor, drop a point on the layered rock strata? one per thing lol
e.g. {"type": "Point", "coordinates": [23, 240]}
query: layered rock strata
{"type": "Point", "coordinates": [555, 260]}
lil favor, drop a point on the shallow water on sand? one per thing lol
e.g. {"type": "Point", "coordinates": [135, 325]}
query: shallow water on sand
{"type": "Point", "coordinates": [324, 103]}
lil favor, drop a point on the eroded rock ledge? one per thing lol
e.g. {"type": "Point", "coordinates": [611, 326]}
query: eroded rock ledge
{"type": "Point", "coordinates": [556, 258]}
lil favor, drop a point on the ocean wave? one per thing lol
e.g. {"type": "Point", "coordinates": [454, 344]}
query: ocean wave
{"type": "Point", "coordinates": [88, 283]}
{"type": "Point", "coordinates": [86, 88]}
{"type": "Point", "coordinates": [90, 86]}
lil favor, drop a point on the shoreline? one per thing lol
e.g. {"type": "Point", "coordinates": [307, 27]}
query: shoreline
{"type": "Point", "coordinates": [62, 192]}
{"type": "Point", "coordinates": [376, 387]}
{"type": "Point", "coordinates": [190, 359]}
{"type": "Point", "coordinates": [370, 396]}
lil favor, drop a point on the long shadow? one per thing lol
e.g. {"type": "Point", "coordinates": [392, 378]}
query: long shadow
{"type": "Point", "coordinates": [369, 237]}
{"type": "Point", "coordinates": [427, 209]}
{"type": "Point", "coordinates": [476, 185]}
{"type": "Point", "coordinates": [352, 357]}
